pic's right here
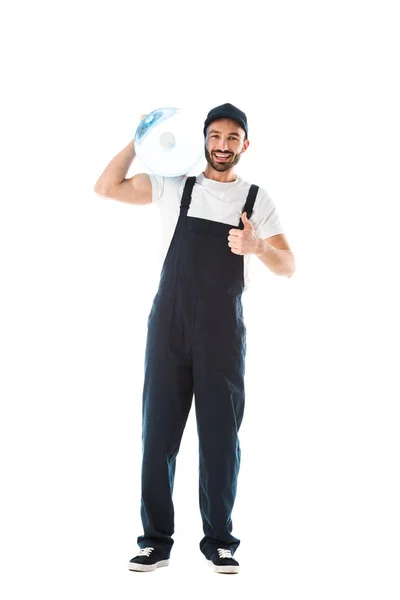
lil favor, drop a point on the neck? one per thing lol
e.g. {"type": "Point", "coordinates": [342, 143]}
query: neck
{"type": "Point", "coordinates": [225, 176]}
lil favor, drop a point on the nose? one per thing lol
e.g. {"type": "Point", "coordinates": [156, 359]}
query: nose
{"type": "Point", "coordinates": [222, 145]}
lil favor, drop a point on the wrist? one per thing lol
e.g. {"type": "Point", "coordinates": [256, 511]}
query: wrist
{"type": "Point", "coordinates": [260, 247]}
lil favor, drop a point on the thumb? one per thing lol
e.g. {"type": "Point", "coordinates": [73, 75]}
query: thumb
{"type": "Point", "coordinates": [246, 222]}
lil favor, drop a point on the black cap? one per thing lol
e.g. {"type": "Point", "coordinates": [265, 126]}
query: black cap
{"type": "Point", "coordinates": [226, 111]}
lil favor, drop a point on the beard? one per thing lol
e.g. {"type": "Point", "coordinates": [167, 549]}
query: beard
{"type": "Point", "coordinates": [222, 166]}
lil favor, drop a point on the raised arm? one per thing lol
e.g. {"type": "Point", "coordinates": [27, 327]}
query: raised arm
{"type": "Point", "coordinates": [112, 183]}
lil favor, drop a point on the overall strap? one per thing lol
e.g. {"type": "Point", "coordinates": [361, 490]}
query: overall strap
{"type": "Point", "coordinates": [187, 192]}
{"type": "Point", "coordinates": [248, 207]}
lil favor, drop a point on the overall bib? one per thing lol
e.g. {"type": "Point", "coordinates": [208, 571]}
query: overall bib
{"type": "Point", "coordinates": [196, 343]}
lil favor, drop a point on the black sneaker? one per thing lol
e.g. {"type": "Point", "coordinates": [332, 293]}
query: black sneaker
{"type": "Point", "coordinates": [148, 559]}
{"type": "Point", "coordinates": [222, 561]}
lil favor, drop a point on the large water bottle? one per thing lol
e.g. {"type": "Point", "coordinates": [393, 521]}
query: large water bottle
{"type": "Point", "coordinates": [169, 141]}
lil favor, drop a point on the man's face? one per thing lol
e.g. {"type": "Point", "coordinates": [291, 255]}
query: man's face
{"type": "Point", "coordinates": [224, 144]}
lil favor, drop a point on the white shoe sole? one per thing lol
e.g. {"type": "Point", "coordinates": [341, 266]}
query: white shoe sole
{"type": "Point", "coordinates": [224, 569]}
{"type": "Point", "coordinates": [139, 567]}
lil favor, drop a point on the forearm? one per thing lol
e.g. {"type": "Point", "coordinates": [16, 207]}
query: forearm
{"type": "Point", "coordinates": [279, 261]}
{"type": "Point", "coordinates": [116, 170]}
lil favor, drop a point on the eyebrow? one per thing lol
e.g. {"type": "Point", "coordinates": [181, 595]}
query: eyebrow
{"type": "Point", "coordinates": [231, 133]}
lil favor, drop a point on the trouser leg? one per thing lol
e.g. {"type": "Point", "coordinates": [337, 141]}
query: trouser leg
{"type": "Point", "coordinates": [167, 398]}
{"type": "Point", "coordinates": [219, 399]}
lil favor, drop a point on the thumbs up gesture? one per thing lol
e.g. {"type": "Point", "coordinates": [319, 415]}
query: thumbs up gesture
{"type": "Point", "coordinates": [243, 241]}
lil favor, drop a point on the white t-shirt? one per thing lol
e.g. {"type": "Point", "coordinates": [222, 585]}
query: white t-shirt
{"type": "Point", "coordinates": [216, 201]}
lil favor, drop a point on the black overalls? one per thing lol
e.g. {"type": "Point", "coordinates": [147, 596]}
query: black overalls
{"type": "Point", "coordinates": [196, 343]}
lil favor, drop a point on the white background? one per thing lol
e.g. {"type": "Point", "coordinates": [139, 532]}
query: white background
{"type": "Point", "coordinates": [318, 491]}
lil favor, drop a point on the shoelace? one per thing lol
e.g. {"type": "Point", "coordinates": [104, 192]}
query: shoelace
{"type": "Point", "coordinates": [223, 553]}
{"type": "Point", "coordinates": [145, 551]}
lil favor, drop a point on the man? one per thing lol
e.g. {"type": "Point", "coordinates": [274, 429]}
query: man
{"type": "Point", "coordinates": [196, 342]}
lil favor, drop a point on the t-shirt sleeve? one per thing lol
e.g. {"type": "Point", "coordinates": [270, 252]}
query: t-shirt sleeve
{"type": "Point", "coordinates": [161, 186]}
{"type": "Point", "coordinates": [265, 218]}
{"type": "Point", "coordinates": [157, 185]}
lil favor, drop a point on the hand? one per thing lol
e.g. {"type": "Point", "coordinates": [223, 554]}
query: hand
{"type": "Point", "coordinates": [244, 241]}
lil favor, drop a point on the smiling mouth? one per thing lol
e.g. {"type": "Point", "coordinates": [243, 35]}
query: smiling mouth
{"type": "Point", "coordinates": [222, 157]}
